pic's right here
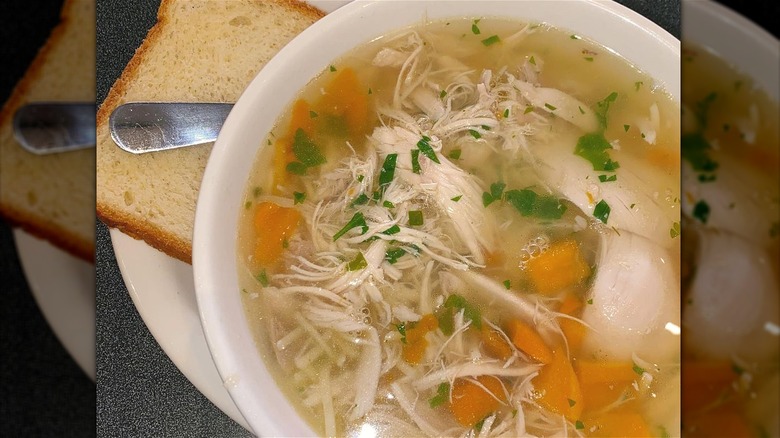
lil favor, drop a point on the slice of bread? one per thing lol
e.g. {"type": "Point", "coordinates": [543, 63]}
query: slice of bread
{"type": "Point", "coordinates": [53, 196]}
{"type": "Point", "coordinates": [198, 51]}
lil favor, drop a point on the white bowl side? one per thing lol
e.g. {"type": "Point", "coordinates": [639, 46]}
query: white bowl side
{"type": "Point", "coordinates": [252, 388]}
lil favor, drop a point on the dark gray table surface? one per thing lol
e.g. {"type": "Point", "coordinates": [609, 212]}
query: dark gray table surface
{"type": "Point", "coordinates": [43, 392]}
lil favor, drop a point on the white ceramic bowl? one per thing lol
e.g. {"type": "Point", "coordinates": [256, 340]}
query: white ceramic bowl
{"type": "Point", "coordinates": [243, 371]}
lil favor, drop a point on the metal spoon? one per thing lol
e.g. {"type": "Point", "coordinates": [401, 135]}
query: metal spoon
{"type": "Point", "coordinates": [142, 127]}
{"type": "Point", "coordinates": [50, 127]}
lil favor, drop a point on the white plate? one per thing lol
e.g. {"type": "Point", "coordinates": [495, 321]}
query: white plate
{"type": "Point", "coordinates": [64, 289]}
{"type": "Point", "coordinates": [163, 291]}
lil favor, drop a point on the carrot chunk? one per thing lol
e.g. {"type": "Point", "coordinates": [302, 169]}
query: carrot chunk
{"type": "Point", "coordinates": [471, 403]}
{"type": "Point", "coordinates": [574, 331]}
{"type": "Point", "coordinates": [525, 338]}
{"type": "Point", "coordinates": [273, 226]}
{"type": "Point", "coordinates": [495, 344]}
{"type": "Point", "coordinates": [621, 423]}
{"type": "Point", "coordinates": [414, 348]}
{"type": "Point", "coordinates": [561, 266]}
{"type": "Point", "coordinates": [604, 383]}
{"type": "Point", "coordinates": [344, 96]}
{"type": "Point", "coordinates": [557, 388]}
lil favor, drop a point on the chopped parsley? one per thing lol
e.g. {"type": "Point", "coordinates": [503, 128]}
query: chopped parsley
{"type": "Point", "coordinates": [257, 191]}
{"type": "Point", "coordinates": [299, 197]}
{"type": "Point", "coordinates": [578, 425]}
{"type": "Point", "coordinates": [695, 150]}
{"type": "Point", "coordinates": [442, 395]}
{"type": "Point", "coordinates": [528, 109]}
{"type": "Point", "coordinates": [357, 221]}
{"type": "Point", "coordinates": [312, 114]}
{"type": "Point", "coordinates": [395, 229]}
{"type": "Point", "coordinates": [496, 190]}
{"type": "Point", "coordinates": [452, 305]}
{"type": "Point", "coordinates": [474, 133]}
{"type": "Point", "coordinates": [590, 301]}
{"type": "Point", "coordinates": [491, 40]}
{"type": "Point", "coordinates": [474, 28]}
{"type": "Point", "coordinates": [425, 147]}
{"type": "Point", "coordinates": [506, 113]}
{"type": "Point", "coordinates": [332, 68]}
{"type": "Point", "coordinates": [388, 171]}
{"type": "Point", "coordinates": [637, 369]}
{"type": "Point", "coordinates": [675, 230]}
{"type": "Point", "coordinates": [402, 330]}
{"type": "Point", "coordinates": [701, 211]}
{"type": "Point", "coordinates": [416, 218]}
{"type": "Point", "coordinates": [507, 284]}
{"type": "Point", "coordinates": [360, 178]}
{"type": "Point", "coordinates": [358, 263]}
{"type": "Point", "coordinates": [550, 107]}
{"type": "Point", "coordinates": [532, 60]}
{"type": "Point", "coordinates": [416, 161]}
{"type": "Point", "coordinates": [455, 154]}
{"type": "Point", "coordinates": [360, 200]}
{"type": "Point", "coordinates": [393, 254]}
{"type": "Point", "coordinates": [529, 203]}
{"type": "Point", "coordinates": [626, 127]}
{"type": "Point", "coordinates": [607, 178]}
{"type": "Point", "coordinates": [443, 94]}
{"type": "Point", "coordinates": [388, 204]}
{"type": "Point", "coordinates": [638, 84]}
{"type": "Point", "coordinates": [593, 147]}
{"type": "Point", "coordinates": [602, 107]}
{"type": "Point", "coordinates": [262, 277]}
{"type": "Point", "coordinates": [306, 152]}
{"type": "Point", "coordinates": [601, 211]}
{"type": "Point", "coordinates": [456, 198]}
{"type": "Point", "coordinates": [572, 403]}
{"type": "Point", "coordinates": [588, 58]}
{"type": "Point", "coordinates": [248, 204]}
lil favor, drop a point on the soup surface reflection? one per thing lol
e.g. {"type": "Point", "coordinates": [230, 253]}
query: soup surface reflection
{"type": "Point", "coordinates": [471, 227]}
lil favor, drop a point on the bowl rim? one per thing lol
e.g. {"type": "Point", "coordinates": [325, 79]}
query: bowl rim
{"type": "Point", "coordinates": [226, 172]}
{"type": "Point", "coordinates": [725, 33]}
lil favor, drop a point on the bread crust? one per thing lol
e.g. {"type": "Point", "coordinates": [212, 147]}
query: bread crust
{"type": "Point", "coordinates": [134, 225]}
{"type": "Point", "coordinates": [41, 227]}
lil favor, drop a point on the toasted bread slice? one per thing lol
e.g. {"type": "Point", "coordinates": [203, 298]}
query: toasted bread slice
{"type": "Point", "coordinates": [198, 51]}
{"type": "Point", "coordinates": [53, 196]}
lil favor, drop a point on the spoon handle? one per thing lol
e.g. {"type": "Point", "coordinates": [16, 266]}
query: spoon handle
{"type": "Point", "coordinates": [142, 127]}
{"type": "Point", "coordinates": [52, 127]}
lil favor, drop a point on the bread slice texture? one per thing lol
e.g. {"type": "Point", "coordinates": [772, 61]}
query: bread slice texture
{"type": "Point", "coordinates": [53, 196]}
{"type": "Point", "coordinates": [198, 51]}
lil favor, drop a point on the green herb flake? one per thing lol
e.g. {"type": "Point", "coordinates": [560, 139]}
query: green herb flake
{"type": "Point", "coordinates": [362, 199]}
{"type": "Point", "coordinates": [456, 303]}
{"type": "Point", "coordinates": [578, 425]}
{"type": "Point", "coordinates": [707, 177]}
{"type": "Point", "coordinates": [360, 178]}
{"type": "Point", "coordinates": [588, 58]}
{"type": "Point", "coordinates": [456, 198]}
{"type": "Point", "coordinates": [416, 161]}
{"type": "Point", "coordinates": [357, 221]}
{"type": "Point", "coordinates": [528, 109]}
{"type": "Point", "coordinates": [572, 403]}
{"type": "Point", "coordinates": [602, 107]}
{"type": "Point", "coordinates": [529, 203]}
{"type": "Point", "coordinates": [479, 424]}
{"type": "Point", "coordinates": [626, 127]}
{"type": "Point", "coordinates": [475, 134]}
{"type": "Point", "coordinates": [607, 178]}
{"type": "Point", "coordinates": [590, 301]}
{"type": "Point", "coordinates": [550, 107]}
{"type": "Point", "coordinates": [268, 142]}
{"type": "Point", "coordinates": [443, 94]}
{"type": "Point", "coordinates": [637, 369]}
{"type": "Point", "coordinates": [507, 284]}
{"type": "Point", "coordinates": [631, 206]}
{"type": "Point", "coordinates": [601, 211]}
{"type": "Point", "coordinates": [675, 230]}
{"type": "Point", "coordinates": [299, 197]}
{"type": "Point", "coordinates": [388, 204]}
{"type": "Point", "coordinates": [395, 229]}
{"type": "Point", "coordinates": [701, 211]}
{"type": "Point", "coordinates": [638, 85]}
{"type": "Point", "coordinates": [285, 243]}
{"type": "Point", "coordinates": [257, 191]}
{"type": "Point", "coordinates": [441, 397]}
{"type": "Point", "coordinates": [332, 68]}
{"type": "Point", "coordinates": [506, 113]}
{"type": "Point", "coordinates": [593, 147]}
{"type": "Point", "coordinates": [393, 254]}
{"type": "Point", "coordinates": [416, 218]}
{"type": "Point", "coordinates": [248, 205]}
{"type": "Point", "coordinates": [491, 40]}
{"type": "Point", "coordinates": [388, 170]}
{"type": "Point", "coordinates": [312, 114]}
{"type": "Point", "coordinates": [358, 263]}
{"type": "Point", "coordinates": [425, 147]}
{"type": "Point", "coordinates": [306, 152]}
{"type": "Point", "coordinates": [532, 60]}
{"type": "Point", "coordinates": [575, 37]}
{"type": "Point", "coordinates": [496, 191]}
{"type": "Point", "coordinates": [455, 154]}
{"type": "Point", "coordinates": [370, 92]}
{"type": "Point", "coordinates": [262, 277]}
{"type": "Point", "coordinates": [402, 330]}
{"type": "Point", "coordinates": [474, 28]}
